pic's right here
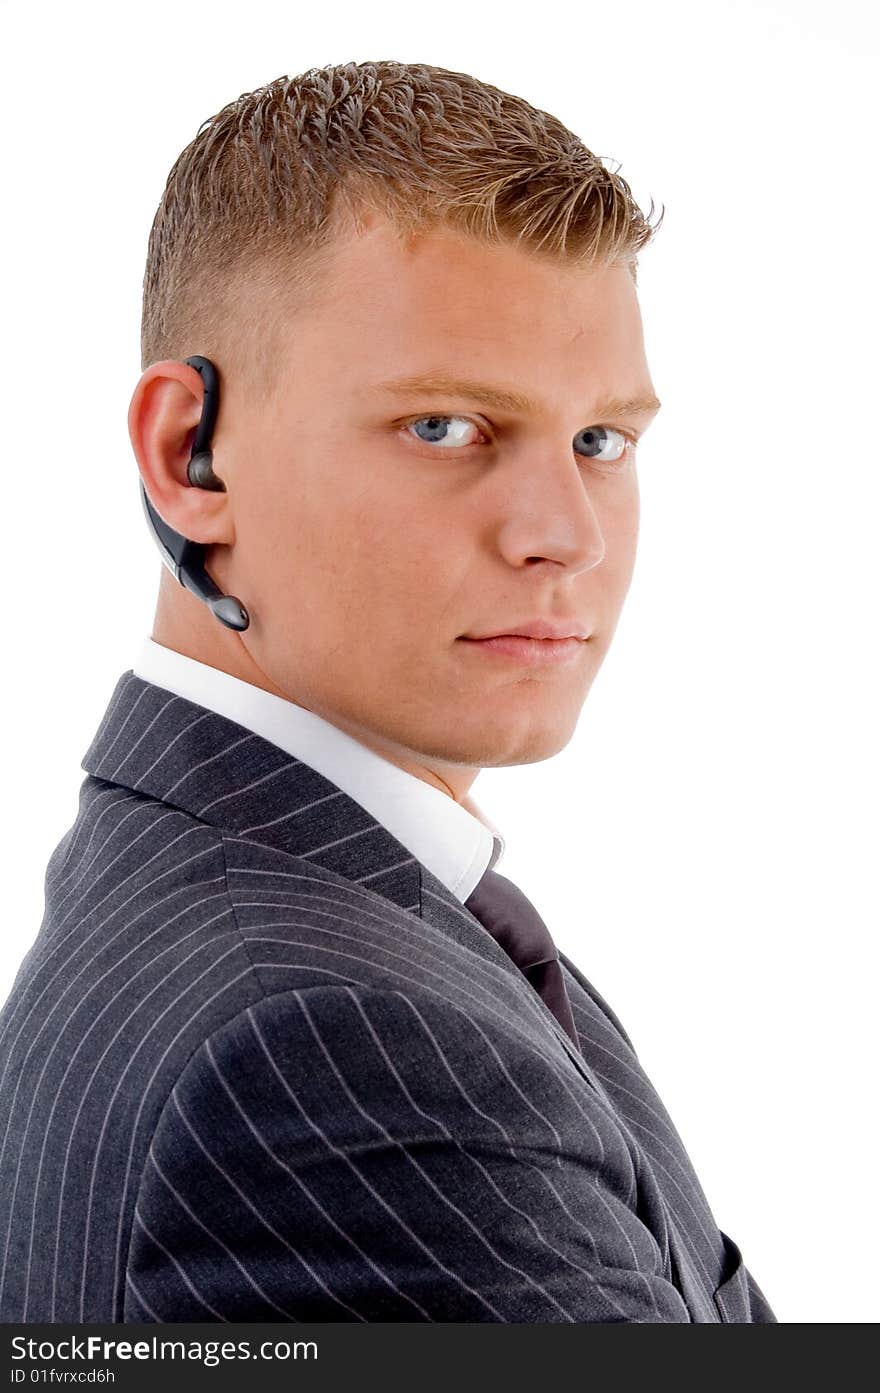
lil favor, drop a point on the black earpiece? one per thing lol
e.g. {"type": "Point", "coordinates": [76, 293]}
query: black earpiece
{"type": "Point", "coordinates": [185, 559]}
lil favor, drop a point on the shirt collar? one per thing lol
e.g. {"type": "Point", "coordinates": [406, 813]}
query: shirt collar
{"type": "Point", "coordinates": [457, 843]}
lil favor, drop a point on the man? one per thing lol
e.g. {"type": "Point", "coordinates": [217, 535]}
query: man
{"type": "Point", "coordinates": [287, 1045]}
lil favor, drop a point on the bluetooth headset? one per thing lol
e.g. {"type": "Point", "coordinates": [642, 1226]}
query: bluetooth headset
{"type": "Point", "coordinates": [185, 559]}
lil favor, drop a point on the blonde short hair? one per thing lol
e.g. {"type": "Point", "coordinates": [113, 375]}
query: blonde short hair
{"type": "Point", "coordinates": [254, 202]}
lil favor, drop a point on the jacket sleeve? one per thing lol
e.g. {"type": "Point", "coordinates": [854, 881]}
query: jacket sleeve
{"type": "Point", "coordinates": [341, 1153]}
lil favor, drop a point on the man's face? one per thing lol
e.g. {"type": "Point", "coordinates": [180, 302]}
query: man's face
{"type": "Point", "coordinates": [375, 528]}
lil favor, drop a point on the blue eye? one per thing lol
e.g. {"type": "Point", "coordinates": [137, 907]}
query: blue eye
{"type": "Point", "coordinates": [596, 438]}
{"type": "Point", "coordinates": [437, 430]}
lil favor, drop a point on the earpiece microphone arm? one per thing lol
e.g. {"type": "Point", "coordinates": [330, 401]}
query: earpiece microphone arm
{"type": "Point", "coordinates": [184, 560]}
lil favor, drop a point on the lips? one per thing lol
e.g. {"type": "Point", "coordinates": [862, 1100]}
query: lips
{"type": "Point", "coordinates": [532, 652]}
{"type": "Point", "coordinates": [537, 628]}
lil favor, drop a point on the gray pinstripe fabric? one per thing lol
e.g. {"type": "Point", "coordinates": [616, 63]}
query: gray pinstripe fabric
{"type": "Point", "coordinates": [261, 1064]}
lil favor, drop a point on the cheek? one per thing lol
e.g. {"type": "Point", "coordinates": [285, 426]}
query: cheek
{"type": "Point", "coordinates": [402, 587]}
{"type": "Point", "coordinates": [354, 548]}
{"type": "Point", "coordinates": [619, 519]}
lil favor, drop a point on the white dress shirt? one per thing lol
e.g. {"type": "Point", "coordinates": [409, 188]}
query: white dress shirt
{"type": "Point", "coordinates": [457, 843]}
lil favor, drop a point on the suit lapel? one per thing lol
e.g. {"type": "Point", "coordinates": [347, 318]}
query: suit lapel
{"type": "Point", "coordinates": [189, 757]}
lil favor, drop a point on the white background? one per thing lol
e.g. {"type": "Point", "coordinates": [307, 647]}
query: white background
{"type": "Point", "coordinates": [706, 845]}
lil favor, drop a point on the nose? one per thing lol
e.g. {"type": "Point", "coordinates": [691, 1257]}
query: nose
{"type": "Point", "coordinates": [548, 514]}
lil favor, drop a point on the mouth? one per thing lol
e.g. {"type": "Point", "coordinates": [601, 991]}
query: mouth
{"type": "Point", "coordinates": [532, 652]}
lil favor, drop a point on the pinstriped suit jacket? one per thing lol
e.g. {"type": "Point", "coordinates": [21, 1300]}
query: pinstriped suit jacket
{"type": "Point", "coordinates": [260, 1064]}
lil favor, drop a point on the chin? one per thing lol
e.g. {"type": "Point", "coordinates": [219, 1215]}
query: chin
{"type": "Point", "coordinates": [493, 748]}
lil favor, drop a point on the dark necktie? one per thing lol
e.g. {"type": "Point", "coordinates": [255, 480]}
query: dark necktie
{"type": "Point", "coordinates": [516, 925]}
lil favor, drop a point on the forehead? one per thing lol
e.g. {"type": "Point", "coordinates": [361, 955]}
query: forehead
{"type": "Point", "coordinates": [392, 305]}
{"type": "Point", "coordinates": [452, 276]}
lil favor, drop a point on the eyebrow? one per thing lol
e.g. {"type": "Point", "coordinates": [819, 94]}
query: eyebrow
{"type": "Point", "coordinates": [504, 398]}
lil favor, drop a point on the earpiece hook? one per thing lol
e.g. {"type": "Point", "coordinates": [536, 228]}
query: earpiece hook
{"type": "Point", "coordinates": [185, 559]}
